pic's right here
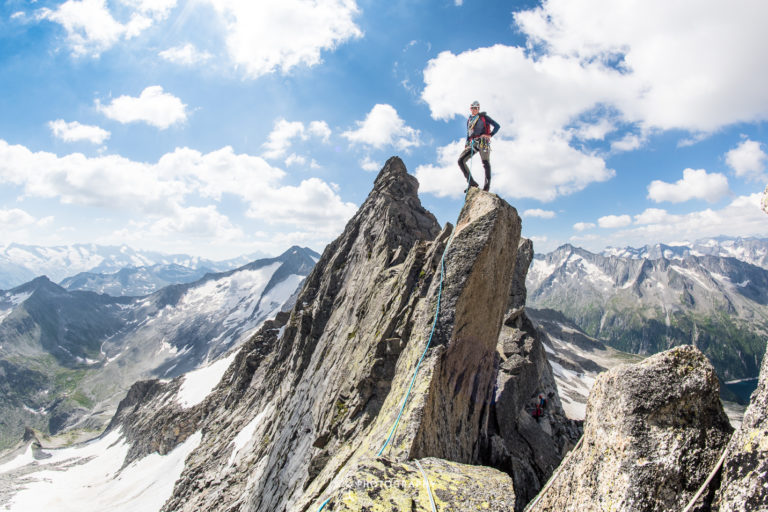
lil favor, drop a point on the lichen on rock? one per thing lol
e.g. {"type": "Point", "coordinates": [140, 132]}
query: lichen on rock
{"type": "Point", "coordinates": [383, 485]}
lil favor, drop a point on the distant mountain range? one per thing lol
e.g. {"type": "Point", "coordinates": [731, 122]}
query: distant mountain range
{"type": "Point", "coordinates": [134, 281]}
{"type": "Point", "coordinates": [749, 250]}
{"type": "Point", "coordinates": [22, 263]}
{"type": "Point", "coordinates": [645, 301]}
{"type": "Point", "coordinates": [67, 357]}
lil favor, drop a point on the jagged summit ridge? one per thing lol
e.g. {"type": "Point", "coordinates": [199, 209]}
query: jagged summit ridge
{"type": "Point", "coordinates": [319, 388]}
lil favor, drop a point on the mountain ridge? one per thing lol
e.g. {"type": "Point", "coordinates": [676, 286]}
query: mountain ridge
{"type": "Point", "coordinates": [21, 263]}
{"type": "Point", "coordinates": [643, 305]}
{"type": "Point", "coordinates": [80, 350]}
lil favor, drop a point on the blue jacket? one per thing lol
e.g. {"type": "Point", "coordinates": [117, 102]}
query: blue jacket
{"type": "Point", "coordinates": [480, 126]}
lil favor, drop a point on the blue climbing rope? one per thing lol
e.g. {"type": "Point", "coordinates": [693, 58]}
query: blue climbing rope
{"type": "Point", "coordinates": [434, 324]}
{"type": "Point", "coordinates": [437, 311]}
{"type": "Point", "coordinates": [429, 341]}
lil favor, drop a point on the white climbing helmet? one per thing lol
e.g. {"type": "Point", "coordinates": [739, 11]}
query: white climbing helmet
{"type": "Point", "coordinates": [475, 104]}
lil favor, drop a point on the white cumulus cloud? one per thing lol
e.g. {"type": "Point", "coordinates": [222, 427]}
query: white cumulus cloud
{"type": "Point", "coordinates": [583, 226]}
{"type": "Point", "coordinates": [320, 129]}
{"type": "Point", "coordinates": [294, 159]}
{"type": "Point", "coordinates": [314, 204]}
{"type": "Point", "coordinates": [16, 218]}
{"type": "Point", "coordinates": [193, 221]}
{"type": "Point", "coordinates": [654, 216]}
{"type": "Point", "coordinates": [695, 184]}
{"type": "Point", "coordinates": [367, 164]}
{"type": "Point", "coordinates": [91, 27]}
{"type": "Point", "coordinates": [263, 37]}
{"type": "Point", "coordinates": [186, 55]}
{"type": "Point", "coordinates": [155, 8]}
{"type": "Point", "coordinates": [538, 212]}
{"type": "Point", "coordinates": [747, 159]}
{"type": "Point", "coordinates": [678, 75]}
{"type": "Point", "coordinates": [152, 106]}
{"type": "Point", "coordinates": [614, 221]}
{"type": "Point", "coordinates": [383, 127]}
{"type": "Point", "coordinates": [74, 131]}
{"type": "Point", "coordinates": [285, 132]}
{"type": "Point", "coordinates": [281, 136]}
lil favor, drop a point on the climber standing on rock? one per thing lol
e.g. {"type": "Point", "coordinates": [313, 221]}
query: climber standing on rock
{"type": "Point", "coordinates": [479, 135]}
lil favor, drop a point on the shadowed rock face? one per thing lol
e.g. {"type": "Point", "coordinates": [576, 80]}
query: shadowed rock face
{"type": "Point", "coordinates": [653, 432]}
{"type": "Point", "coordinates": [745, 471]}
{"type": "Point", "coordinates": [527, 448]}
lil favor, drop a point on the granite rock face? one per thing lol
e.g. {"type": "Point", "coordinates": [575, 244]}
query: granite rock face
{"type": "Point", "coordinates": [652, 434]}
{"type": "Point", "coordinates": [451, 394]}
{"type": "Point", "coordinates": [314, 396]}
{"type": "Point", "coordinates": [744, 477]}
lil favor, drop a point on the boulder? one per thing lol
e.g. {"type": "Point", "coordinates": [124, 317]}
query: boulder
{"type": "Point", "coordinates": [652, 434]}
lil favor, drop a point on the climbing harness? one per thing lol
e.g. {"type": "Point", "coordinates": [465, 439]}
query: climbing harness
{"type": "Point", "coordinates": [429, 489]}
{"type": "Point", "coordinates": [429, 342]}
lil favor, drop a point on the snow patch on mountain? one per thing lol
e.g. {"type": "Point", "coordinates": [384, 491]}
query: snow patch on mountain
{"type": "Point", "coordinates": [199, 383]}
{"type": "Point", "coordinates": [21, 460]}
{"type": "Point", "coordinates": [692, 275]}
{"type": "Point", "coordinates": [95, 480]}
{"type": "Point", "coordinates": [244, 438]}
{"type": "Point", "coordinates": [9, 301]}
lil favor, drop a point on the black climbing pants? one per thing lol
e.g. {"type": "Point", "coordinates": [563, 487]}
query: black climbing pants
{"type": "Point", "coordinates": [485, 155]}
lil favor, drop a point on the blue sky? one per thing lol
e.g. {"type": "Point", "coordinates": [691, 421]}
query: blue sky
{"type": "Point", "coordinates": [225, 127]}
